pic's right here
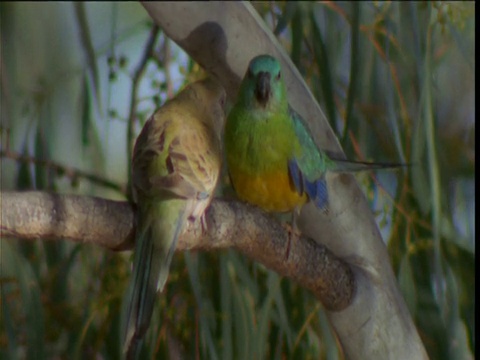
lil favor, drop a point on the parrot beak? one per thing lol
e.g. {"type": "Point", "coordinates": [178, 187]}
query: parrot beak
{"type": "Point", "coordinates": [263, 90]}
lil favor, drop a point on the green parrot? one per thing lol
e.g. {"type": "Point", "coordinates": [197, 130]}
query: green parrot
{"type": "Point", "coordinates": [272, 159]}
{"type": "Point", "coordinates": [175, 168]}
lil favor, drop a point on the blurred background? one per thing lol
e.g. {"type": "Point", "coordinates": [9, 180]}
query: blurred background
{"type": "Point", "coordinates": [396, 81]}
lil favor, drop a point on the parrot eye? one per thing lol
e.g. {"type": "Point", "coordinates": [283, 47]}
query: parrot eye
{"type": "Point", "coordinates": [278, 76]}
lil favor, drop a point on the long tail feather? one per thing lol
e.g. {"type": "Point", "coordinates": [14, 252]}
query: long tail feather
{"type": "Point", "coordinates": [151, 265]}
{"type": "Point", "coordinates": [354, 166]}
{"type": "Point", "coordinates": [143, 291]}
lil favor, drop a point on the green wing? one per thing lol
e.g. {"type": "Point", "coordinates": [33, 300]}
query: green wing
{"type": "Point", "coordinates": [308, 167]}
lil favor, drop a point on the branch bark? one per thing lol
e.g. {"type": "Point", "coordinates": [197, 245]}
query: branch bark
{"type": "Point", "coordinates": [223, 37]}
{"type": "Point", "coordinates": [40, 215]}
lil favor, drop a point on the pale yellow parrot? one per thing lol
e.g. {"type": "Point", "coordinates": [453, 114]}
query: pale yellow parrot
{"type": "Point", "coordinates": [176, 165]}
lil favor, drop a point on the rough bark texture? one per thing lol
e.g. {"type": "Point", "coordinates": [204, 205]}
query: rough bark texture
{"type": "Point", "coordinates": [40, 215]}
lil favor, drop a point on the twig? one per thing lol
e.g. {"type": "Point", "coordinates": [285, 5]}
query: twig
{"type": "Point", "coordinates": [140, 69]}
{"type": "Point", "coordinates": [70, 172]}
{"type": "Point", "coordinates": [87, 43]}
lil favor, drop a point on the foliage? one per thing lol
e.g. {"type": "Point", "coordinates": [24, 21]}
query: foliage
{"type": "Point", "coordinates": [395, 80]}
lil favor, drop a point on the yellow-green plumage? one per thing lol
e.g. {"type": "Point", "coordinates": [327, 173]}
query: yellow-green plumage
{"type": "Point", "coordinates": [272, 159]}
{"type": "Point", "coordinates": [175, 168]}
{"type": "Point", "coordinates": [257, 159]}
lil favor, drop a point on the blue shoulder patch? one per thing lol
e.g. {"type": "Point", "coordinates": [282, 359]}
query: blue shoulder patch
{"type": "Point", "coordinates": [316, 190]}
{"type": "Point", "coordinates": [296, 175]}
{"type": "Point", "coordinates": [321, 194]}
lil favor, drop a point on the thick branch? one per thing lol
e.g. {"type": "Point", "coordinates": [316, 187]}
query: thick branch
{"type": "Point", "coordinates": [39, 215]}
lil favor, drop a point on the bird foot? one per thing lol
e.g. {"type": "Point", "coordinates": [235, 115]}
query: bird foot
{"type": "Point", "coordinates": [293, 234]}
{"type": "Point", "coordinates": [203, 222]}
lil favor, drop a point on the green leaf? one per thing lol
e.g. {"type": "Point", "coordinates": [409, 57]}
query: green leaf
{"type": "Point", "coordinates": [14, 265]}
{"type": "Point", "coordinates": [355, 62]}
{"type": "Point", "coordinates": [420, 183]}
{"type": "Point", "coordinates": [265, 315]}
{"type": "Point", "coordinates": [458, 341]}
{"type": "Point", "coordinates": [297, 36]}
{"type": "Point", "coordinates": [204, 308]}
{"type": "Point", "coordinates": [86, 112]}
{"type": "Point", "coordinates": [324, 68]}
{"type": "Point", "coordinates": [89, 50]}
{"type": "Point", "coordinates": [226, 306]}
{"type": "Point", "coordinates": [9, 324]}
{"type": "Point", "coordinates": [283, 314]}
{"type": "Point", "coordinates": [289, 12]}
{"type": "Point", "coordinates": [41, 152]}
{"type": "Point", "coordinates": [243, 320]}
{"type": "Point", "coordinates": [406, 283]}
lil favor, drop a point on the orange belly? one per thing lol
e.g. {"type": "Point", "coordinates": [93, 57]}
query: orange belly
{"type": "Point", "coordinates": [270, 191]}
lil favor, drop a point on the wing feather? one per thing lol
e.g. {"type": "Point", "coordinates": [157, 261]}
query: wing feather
{"type": "Point", "coordinates": [308, 167]}
{"type": "Point", "coordinates": [184, 159]}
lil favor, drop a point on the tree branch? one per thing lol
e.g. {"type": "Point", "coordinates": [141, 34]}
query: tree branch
{"type": "Point", "coordinates": [40, 215]}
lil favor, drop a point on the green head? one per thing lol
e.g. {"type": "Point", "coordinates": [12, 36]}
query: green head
{"type": "Point", "coordinates": [263, 86]}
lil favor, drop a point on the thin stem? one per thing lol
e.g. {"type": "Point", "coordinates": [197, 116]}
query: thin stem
{"type": "Point", "coordinates": [137, 76]}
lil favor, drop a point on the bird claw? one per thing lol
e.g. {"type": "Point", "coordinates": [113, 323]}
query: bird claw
{"type": "Point", "coordinates": [293, 234]}
{"type": "Point", "coordinates": [203, 222]}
